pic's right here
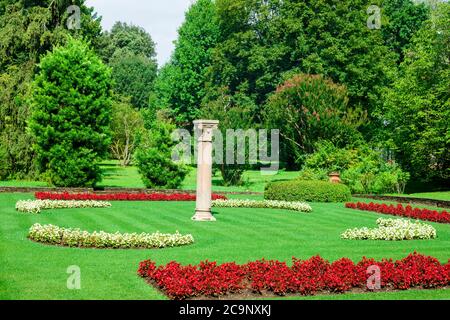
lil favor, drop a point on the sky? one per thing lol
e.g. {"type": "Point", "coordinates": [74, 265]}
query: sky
{"type": "Point", "coordinates": [160, 18]}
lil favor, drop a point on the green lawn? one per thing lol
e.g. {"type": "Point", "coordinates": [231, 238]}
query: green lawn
{"type": "Point", "coordinates": [35, 271]}
{"type": "Point", "coordinates": [115, 175]}
{"type": "Point", "coordinates": [441, 195]}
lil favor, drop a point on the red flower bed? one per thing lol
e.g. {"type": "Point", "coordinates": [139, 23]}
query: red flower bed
{"type": "Point", "coordinates": [121, 196]}
{"type": "Point", "coordinates": [399, 210]}
{"type": "Point", "coordinates": [305, 277]}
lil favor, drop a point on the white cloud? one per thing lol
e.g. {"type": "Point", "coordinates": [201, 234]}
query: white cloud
{"type": "Point", "coordinates": [161, 18]}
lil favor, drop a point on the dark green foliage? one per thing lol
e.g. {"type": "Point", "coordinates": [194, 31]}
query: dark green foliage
{"type": "Point", "coordinates": [130, 52]}
{"type": "Point", "coordinates": [181, 84]}
{"type": "Point", "coordinates": [417, 107]}
{"type": "Point", "coordinates": [130, 37]}
{"type": "Point", "coordinates": [313, 191]}
{"type": "Point", "coordinates": [309, 108]}
{"type": "Point", "coordinates": [153, 157]}
{"type": "Point", "coordinates": [261, 40]}
{"type": "Point", "coordinates": [71, 115]}
{"type": "Point", "coordinates": [363, 169]}
{"type": "Point", "coordinates": [404, 19]}
{"type": "Point", "coordinates": [233, 112]}
{"type": "Point", "coordinates": [28, 29]}
{"type": "Point", "coordinates": [133, 76]}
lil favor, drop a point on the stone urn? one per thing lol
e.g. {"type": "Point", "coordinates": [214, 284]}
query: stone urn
{"type": "Point", "coordinates": [335, 177]}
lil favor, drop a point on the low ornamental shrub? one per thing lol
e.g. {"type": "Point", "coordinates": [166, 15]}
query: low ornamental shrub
{"type": "Point", "coordinates": [269, 204]}
{"type": "Point", "coordinates": [35, 206]}
{"type": "Point", "coordinates": [50, 234]}
{"type": "Point", "coordinates": [307, 190]}
{"type": "Point", "coordinates": [305, 277]}
{"type": "Point", "coordinates": [392, 229]}
{"type": "Point", "coordinates": [400, 210]}
{"type": "Point", "coordinates": [122, 196]}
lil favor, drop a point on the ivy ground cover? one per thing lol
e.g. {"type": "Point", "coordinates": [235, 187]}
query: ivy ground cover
{"type": "Point", "coordinates": [32, 270]}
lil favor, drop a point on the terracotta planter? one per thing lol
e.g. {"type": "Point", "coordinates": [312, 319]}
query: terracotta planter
{"type": "Point", "coordinates": [335, 177]}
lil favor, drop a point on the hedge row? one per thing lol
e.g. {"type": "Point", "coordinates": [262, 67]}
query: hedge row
{"type": "Point", "coordinates": [312, 191]}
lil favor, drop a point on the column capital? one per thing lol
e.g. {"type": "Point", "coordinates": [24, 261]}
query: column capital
{"type": "Point", "coordinates": [206, 124]}
{"type": "Point", "coordinates": [206, 128]}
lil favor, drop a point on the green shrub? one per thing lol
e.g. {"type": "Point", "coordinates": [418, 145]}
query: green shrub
{"type": "Point", "coordinates": [362, 169]}
{"type": "Point", "coordinates": [71, 112]}
{"type": "Point", "coordinates": [4, 167]}
{"type": "Point", "coordinates": [153, 158]}
{"type": "Point", "coordinates": [303, 190]}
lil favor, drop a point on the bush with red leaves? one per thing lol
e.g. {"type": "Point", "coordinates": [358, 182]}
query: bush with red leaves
{"type": "Point", "coordinates": [305, 277]}
{"type": "Point", "coordinates": [122, 196]}
{"type": "Point", "coordinates": [400, 210]}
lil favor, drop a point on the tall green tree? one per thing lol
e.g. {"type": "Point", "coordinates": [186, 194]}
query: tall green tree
{"type": "Point", "coordinates": [128, 36]}
{"type": "Point", "coordinates": [181, 84]}
{"type": "Point", "coordinates": [130, 51]}
{"type": "Point", "coordinates": [262, 40]}
{"type": "Point", "coordinates": [234, 112]}
{"type": "Point", "coordinates": [307, 109]}
{"type": "Point", "coordinates": [127, 123]}
{"type": "Point", "coordinates": [134, 76]}
{"type": "Point", "coordinates": [417, 108]}
{"type": "Point", "coordinates": [71, 113]}
{"type": "Point", "coordinates": [404, 19]}
{"type": "Point", "coordinates": [153, 156]}
{"type": "Point", "coordinates": [28, 29]}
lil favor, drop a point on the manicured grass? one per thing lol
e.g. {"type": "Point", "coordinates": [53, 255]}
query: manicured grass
{"type": "Point", "coordinates": [23, 184]}
{"type": "Point", "coordinates": [254, 181]}
{"type": "Point", "coordinates": [115, 175]}
{"type": "Point", "coordinates": [442, 195]}
{"type": "Point", "coordinates": [35, 271]}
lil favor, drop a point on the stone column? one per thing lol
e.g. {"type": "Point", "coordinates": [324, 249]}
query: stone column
{"type": "Point", "coordinates": [204, 129]}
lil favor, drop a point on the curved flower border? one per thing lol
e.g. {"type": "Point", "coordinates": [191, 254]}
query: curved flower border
{"type": "Point", "coordinates": [122, 196]}
{"type": "Point", "coordinates": [270, 204]}
{"type": "Point", "coordinates": [392, 230]}
{"type": "Point", "coordinates": [305, 277]}
{"type": "Point", "coordinates": [54, 235]}
{"type": "Point", "coordinates": [36, 206]}
{"type": "Point", "coordinates": [399, 210]}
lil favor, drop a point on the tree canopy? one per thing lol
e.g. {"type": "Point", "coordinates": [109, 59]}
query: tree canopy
{"type": "Point", "coordinates": [71, 112]}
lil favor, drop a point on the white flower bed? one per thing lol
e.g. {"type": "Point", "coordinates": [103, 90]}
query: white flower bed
{"type": "Point", "coordinates": [271, 204]}
{"type": "Point", "coordinates": [35, 206]}
{"type": "Point", "coordinates": [393, 229]}
{"type": "Point", "coordinates": [54, 235]}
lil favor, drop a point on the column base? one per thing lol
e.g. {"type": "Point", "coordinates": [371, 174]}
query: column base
{"type": "Point", "coordinates": [203, 216]}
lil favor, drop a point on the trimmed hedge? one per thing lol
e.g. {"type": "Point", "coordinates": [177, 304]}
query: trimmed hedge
{"type": "Point", "coordinates": [312, 191]}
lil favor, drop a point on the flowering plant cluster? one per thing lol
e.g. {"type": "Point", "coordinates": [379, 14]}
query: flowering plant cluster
{"type": "Point", "coordinates": [392, 229]}
{"type": "Point", "coordinates": [35, 206]}
{"type": "Point", "coordinates": [305, 277]}
{"type": "Point", "coordinates": [272, 204]}
{"type": "Point", "coordinates": [123, 196]}
{"type": "Point", "coordinates": [399, 210]}
{"type": "Point", "coordinates": [54, 235]}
